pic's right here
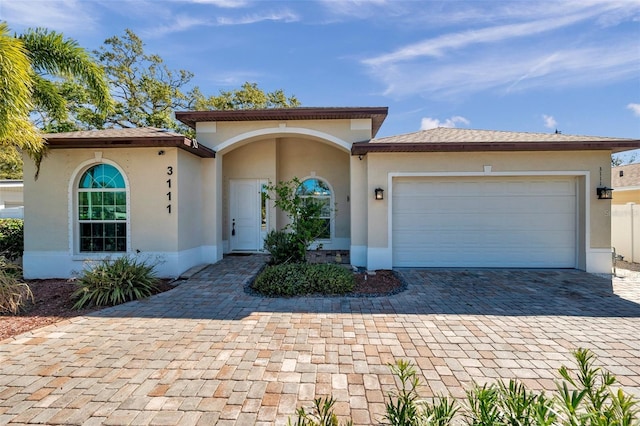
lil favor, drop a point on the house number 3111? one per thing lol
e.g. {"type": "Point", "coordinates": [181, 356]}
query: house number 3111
{"type": "Point", "coordinates": [169, 173]}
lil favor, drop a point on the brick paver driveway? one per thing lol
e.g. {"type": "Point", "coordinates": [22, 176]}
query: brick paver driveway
{"type": "Point", "coordinates": [207, 353]}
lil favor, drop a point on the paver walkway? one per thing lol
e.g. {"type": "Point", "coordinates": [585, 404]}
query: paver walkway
{"type": "Point", "coordinates": [208, 353]}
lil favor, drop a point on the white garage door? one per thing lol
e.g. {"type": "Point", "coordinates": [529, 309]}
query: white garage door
{"type": "Point", "coordinates": [484, 222]}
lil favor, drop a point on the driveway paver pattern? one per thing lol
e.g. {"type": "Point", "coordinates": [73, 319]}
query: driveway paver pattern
{"type": "Point", "coordinates": [209, 353]}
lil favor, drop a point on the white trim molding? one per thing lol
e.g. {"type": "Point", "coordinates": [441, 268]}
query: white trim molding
{"type": "Point", "coordinates": [379, 258]}
{"type": "Point", "coordinates": [358, 255]}
{"type": "Point", "coordinates": [59, 264]}
{"type": "Point", "coordinates": [599, 260]}
{"type": "Point", "coordinates": [346, 146]}
{"type": "Point", "coordinates": [72, 197]}
{"type": "Point", "coordinates": [382, 257]}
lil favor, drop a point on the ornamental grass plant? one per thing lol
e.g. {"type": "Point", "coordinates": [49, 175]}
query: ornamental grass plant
{"type": "Point", "coordinates": [14, 294]}
{"type": "Point", "coordinates": [111, 282]}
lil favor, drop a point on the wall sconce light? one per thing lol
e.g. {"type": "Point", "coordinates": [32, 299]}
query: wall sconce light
{"type": "Point", "coordinates": [604, 193]}
{"type": "Point", "coordinates": [161, 152]}
{"type": "Point", "coordinates": [379, 193]}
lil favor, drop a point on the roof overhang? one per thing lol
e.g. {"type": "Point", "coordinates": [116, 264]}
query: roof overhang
{"type": "Point", "coordinates": [362, 148]}
{"type": "Point", "coordinates": [74, 140]}
{"type": "Point", "coordinates": [376, 114]}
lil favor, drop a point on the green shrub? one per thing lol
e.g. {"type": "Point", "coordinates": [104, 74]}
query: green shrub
{"type": "Point", "coordinates": [592, 401]}
{"type": "Point", "coordinates": [404, 406]}
{"type": "Point", "coordinates": [111, 282]}
{"type": "Point", "coordinates": [305, 222]}
{"type": "Point", "coordinates": [11, 238]}
{"type": "Point", "coordinates": [321, 414]}
{"type": "Point", "coordinates": [327, 278]}
{"type": "Point", "coordinates": [584, 398]}
{"type": "Point", "coordinates": [13, 293]}
{"type": "Point", "coordinates": [282, 248]}
{"type": "Point", "coordinates": [297, 279]}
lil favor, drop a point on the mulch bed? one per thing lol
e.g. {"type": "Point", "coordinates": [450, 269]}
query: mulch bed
{"type": "Point", "coordinates": [53, 301]}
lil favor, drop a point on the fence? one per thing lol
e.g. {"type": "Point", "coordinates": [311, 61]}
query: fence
{"type": "Point", "coordinates": [625, 231]}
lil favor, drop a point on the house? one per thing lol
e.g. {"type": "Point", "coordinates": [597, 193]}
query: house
{"type": "Point", "coordinates": [434, 198]}
{"type": "Point", "coordinates": [11, 199]}
{"type": "Point", "coordinates": [625, 180]}
{"type": "Point", "coordinates": [625, 211]}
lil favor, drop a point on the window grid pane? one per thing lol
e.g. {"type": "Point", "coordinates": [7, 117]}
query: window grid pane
{"type": "Point", "coordinates": [102, 210]}
{"type": "Point", "coordinates": [319, 190]}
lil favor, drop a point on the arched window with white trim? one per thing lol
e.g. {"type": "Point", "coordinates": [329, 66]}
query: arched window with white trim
{"type": "Point", "coordinates": [102, 210]}
{"type": "Point", "coordinates": [319, 189]}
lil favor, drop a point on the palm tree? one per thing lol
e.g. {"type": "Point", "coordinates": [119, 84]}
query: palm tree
{"type": "Point", "coordinates": [33, 68]}
{"type": "Point", "coordinates": [53, 56]}
{"type": "Point", "coordinates": [16, 89]}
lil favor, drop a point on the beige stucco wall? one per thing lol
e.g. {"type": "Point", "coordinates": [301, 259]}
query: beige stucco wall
{"type": "Point", "coordinates": [47, 216]}
{"type": "Point", "coordinates": [302, 158]}
{"type": "Point", "coordinates": [282, 159]}
{"type": "Point", "coordinates": [379, 166]}
{"type": "Point", "coordinates": [215, 134]}
{"type": "Point", "coordinates": [188, 201]}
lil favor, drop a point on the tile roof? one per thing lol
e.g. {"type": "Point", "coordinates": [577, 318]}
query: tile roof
{"type": "Point", "coordinates": [453, 139]}
{"type": "Point", "coordinates": [131, 137]}
{"type": "Point", "coordinates": [445, 135]}
{"type": "Point", "coordinates": [129, 133]}
{"type": "Point", "coordinates": [630, 176]}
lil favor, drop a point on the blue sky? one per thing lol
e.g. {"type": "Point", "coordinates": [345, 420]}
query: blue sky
{"type": "Point", "coordinates": [530, 66]}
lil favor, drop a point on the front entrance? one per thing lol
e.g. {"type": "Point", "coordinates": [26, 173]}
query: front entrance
{"type": "Point", "coordinates": [247, 214]}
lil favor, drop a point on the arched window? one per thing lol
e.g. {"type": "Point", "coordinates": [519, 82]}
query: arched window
{"type": "Point", "coordinates": [102, 210]}
{"type": "Point", "coordinates": [319, 190]}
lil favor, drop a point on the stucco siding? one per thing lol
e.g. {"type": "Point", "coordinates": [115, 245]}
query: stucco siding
{"type": "Point", "coordinates": [51, 208]}
{"type": "Point", "coordinates": [46, 217]}
{"type": "Point", "coordinates": [586, 166]}
{"type": "Point", "coordinates": [381, 165]}
{"type": "Point", "coordinates": [214, 135]}
{"type": "Point", "coordinates": [187, 201]}
{"type": "Point", "coordinates": [153, 228]}
{"type": "Point", "coordinates": [305, 159]}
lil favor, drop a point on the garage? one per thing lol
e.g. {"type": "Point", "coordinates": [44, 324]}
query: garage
{"type": "Point", "coordinates": [481, 221]}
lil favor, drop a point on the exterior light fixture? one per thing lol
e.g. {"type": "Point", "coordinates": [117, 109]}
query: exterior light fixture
{"type": "Point", "coordinates": [604, 192]}
{"type": "Point", "coordinates": [379, 193]}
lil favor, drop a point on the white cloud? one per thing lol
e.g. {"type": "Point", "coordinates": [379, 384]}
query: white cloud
{"type": "Point", "coordinates": [439, 46]}
{"type": "Point", "coordinates": [531, 49]}
{"type": "Point", "coordinates": [512, 69]}
{"type": "Point", "coordinates": [283, 16]}
{"type": "Point", "coordinates": [62, 15]}
{"type": "Point", "coordinates": [635, 108]}
{"type": "Point", "coordinates": [233, 78]}
{"type": "Point", "coordinates": [227, 4]}
{"type": "Point", "coordinates": [549, 121]}
{"type": "Point", "coordinates": [431, 123]}
{"type": "Point", "coordinates": [178, 24]}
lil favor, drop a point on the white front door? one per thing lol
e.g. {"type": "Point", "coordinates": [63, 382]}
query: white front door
{"type": "Point", "coordinates": [246, 215]}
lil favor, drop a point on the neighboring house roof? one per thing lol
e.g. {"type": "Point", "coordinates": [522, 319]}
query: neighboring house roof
{"type": "Point", "coordinates": [134, 137]}
{"type": "Point", "coordinates": [376, 114]}
{"type": "Point", "coordinates": [444, 139]}
{"type": "Point", "coordinates": [625, 176]}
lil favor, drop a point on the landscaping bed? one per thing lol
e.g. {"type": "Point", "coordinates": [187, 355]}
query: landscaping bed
{"type": "Point", "coordinates": [53, 301]}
